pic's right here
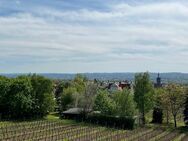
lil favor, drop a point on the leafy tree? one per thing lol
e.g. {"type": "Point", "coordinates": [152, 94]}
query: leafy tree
{"type": "Point", "coordinates": [19, 98]}
{"type": "Point", "coordinates": [25, 97]}
{"type": "Point", "coordinates": [186, 108]}
{"type": "Point", "coordinates": [73, 92]}
{"type": "Point", "coordinates": [79, 84]}
{"type": "Point", "coordinates": [60, 86]}
{"type": "Point", "coordinates": [158, 106]}
{"type": "Point", "coordinates": [4, 89]}
{"type": "Point", "coordinates": [163, 102]}
{"type": "Point", "coordinates": [43, 94]}
{"type": "Point", "coordinates": [67, 98]}
{"type": "Point", "coordinates": [125, 105]}
{"type": "Point", "coordinates": [104, 103]}
{"type": "Point", "coordinates": [176, 96]}
{"type": "Point", "coordinates": [143, 93]}
{"type": "Point", "coordinates": [87, 101]}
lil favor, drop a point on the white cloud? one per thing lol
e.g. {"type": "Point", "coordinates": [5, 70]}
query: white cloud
{"type": "Point", "coordinates": [154, 34]}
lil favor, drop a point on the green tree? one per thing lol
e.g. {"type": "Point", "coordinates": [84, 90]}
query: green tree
{"type": "Point", "coordinates": [60, 86]}
{"type": "Point", "coordinates": [186, 108]}
{"type": "Point", "coordinates": [4, 89]}
{"type": "Point", "coordinates": [176, 97]}
{"type": "Point", "coordinates": [42, 94]}
{"type": "Point", "coordinates": [143, 93]}
{"type": "Point", "coordinates": [87, 101]}
{"type": "Point", "coordinates": [158, 106]}
{"type": "Point", "coordinates": [19, 98]}
{"type": "Point", "coordinates": [162, 101]}
{"type": "Point", "coordinates": [125, 105]}
{"type": "Point", "coordinates": [26, 97]}
{"type": "Point", "coordinates": [79, 84]}
{"type": "Point", "coordinates": [67, 98]}
{"type": "Point", "coordinates": [104, 103]}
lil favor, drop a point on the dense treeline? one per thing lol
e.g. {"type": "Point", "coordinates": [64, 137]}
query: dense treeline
{"type": "Point", "coordinates": [167, 102]}
{"type": "Point", "coordinates": [34, 96]}
{"type": "Point", "coordinates": [85, 94]}
{"type": "Point", "coordinates": [88, 97]}
{"type": "Point", "coordinates": [25, 97]}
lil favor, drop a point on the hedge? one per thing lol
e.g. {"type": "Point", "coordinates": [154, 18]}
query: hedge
{"type": "Point", "coordinates": [104, 120]}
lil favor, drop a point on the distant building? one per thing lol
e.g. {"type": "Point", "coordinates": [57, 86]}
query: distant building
{"type": "Point", "coordinates": [125, 84]}
{"type": "Point", "coordinates": [158, 83]}
{"type": "Point", "coordinates": [112, 87]}
{"type": "Point", "coordinates": [115, 85]}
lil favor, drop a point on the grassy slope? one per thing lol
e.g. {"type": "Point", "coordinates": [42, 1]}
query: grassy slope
{"type": "Point", "coordinates": [50, 117]}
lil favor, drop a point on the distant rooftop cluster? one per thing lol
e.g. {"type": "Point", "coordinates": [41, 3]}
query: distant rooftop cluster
{"type": "Point", "coordinates": [113, 86]}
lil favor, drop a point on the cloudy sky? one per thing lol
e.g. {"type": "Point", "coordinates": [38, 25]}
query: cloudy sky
{"type": "Point", "coordinates": [93, 36]}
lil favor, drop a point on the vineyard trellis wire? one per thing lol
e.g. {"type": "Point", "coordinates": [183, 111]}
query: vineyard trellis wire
{"type": "Point", "coordinates": [58, 131]}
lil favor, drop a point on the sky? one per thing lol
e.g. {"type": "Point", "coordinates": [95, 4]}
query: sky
{"type": "Point", "coordinates": [72, 36]}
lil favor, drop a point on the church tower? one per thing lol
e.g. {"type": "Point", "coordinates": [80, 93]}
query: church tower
{"type": "Point", "coordinates": [158, 84]}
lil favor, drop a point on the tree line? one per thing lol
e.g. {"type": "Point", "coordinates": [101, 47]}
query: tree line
{"type": "Point", "coordinates": [25, 97]}
{"type": "Point", "coordinates": [34, 96]}
{"type": "Point", "coordinates": [165, 102]}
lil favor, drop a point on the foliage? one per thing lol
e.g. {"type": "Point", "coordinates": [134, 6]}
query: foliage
{"type": "Point", "coordinates": [157, 115]}
{"type": "Point", "coordinates": [87, 101]}
{"type": "Point", "coordinates": [125, 105]}
{"type": "Point", "coordinates": [186, 108]}
{"type": "Point", "coordinates": [4, 89]}
{"type": "Point", "coordinates": [176, 97]}
{"type": "Point", "coordinates": [111, 121]}
{"type": "Point", "coordinates": [159, 105]}
{"type": "Point", "coordinates": [17, 98]}
{"type": "Point", "coordinates": [143, 93]}
{"type": "Point", "coordinates": [60, 86]}
{"type": "Point", "coordinates": [79, 84]}
{"type": "Point", "coordinates": [162, 102]}
{"type": "Point", "coordinates": [43, 95]}
{"type": "Point", "coordinates": [25, 97]}
{"type": "Point", "coordinates": [104, 103]}
{"type": "Point", "coordinates": [67, 98]}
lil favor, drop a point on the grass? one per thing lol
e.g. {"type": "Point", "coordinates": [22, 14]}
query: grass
{"type": "Point", "coordinates": [52, 116]}
{"type": "Point", "coordinates": [180, 137]}
{"type": "Point", "coordinates": [49, 117]}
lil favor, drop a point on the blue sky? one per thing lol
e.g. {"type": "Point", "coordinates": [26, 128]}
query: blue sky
{"type": "Point", "coordinates": [93, 36]}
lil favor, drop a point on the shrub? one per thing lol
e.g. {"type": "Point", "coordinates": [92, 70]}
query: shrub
{"type": "Point", "coordinates": [109, 121]}
{"type": "Point", "coordinates": [157, 116]}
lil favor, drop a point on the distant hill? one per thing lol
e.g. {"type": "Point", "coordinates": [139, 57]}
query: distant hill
{"type": "Point", "coordinates": [166, 77]}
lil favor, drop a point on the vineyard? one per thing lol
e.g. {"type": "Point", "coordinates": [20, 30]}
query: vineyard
{"type": "Point", "coordinates": [59, 131]}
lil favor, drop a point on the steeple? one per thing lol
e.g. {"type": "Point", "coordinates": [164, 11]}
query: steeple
{"type": "Point", "coordinates": [159, 80]}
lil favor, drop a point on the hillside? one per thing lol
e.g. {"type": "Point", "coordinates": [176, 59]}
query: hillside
{"type": "Point", "coordinates": [166, 77]}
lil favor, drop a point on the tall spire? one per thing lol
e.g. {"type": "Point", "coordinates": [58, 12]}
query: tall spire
{"type": "Point", "coordinates": [158, 81]}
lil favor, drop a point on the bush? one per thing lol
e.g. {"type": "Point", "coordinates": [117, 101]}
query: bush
{"type": "Point", "coordinates": [157, 116]}
{"type": "Point", "coordinates": [186, 110]}
{"type": "Point", "coordinates": [109, 121]}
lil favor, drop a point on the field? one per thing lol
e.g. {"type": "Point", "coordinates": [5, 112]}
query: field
{"type": "Point", "coordinates": [64, 130]}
